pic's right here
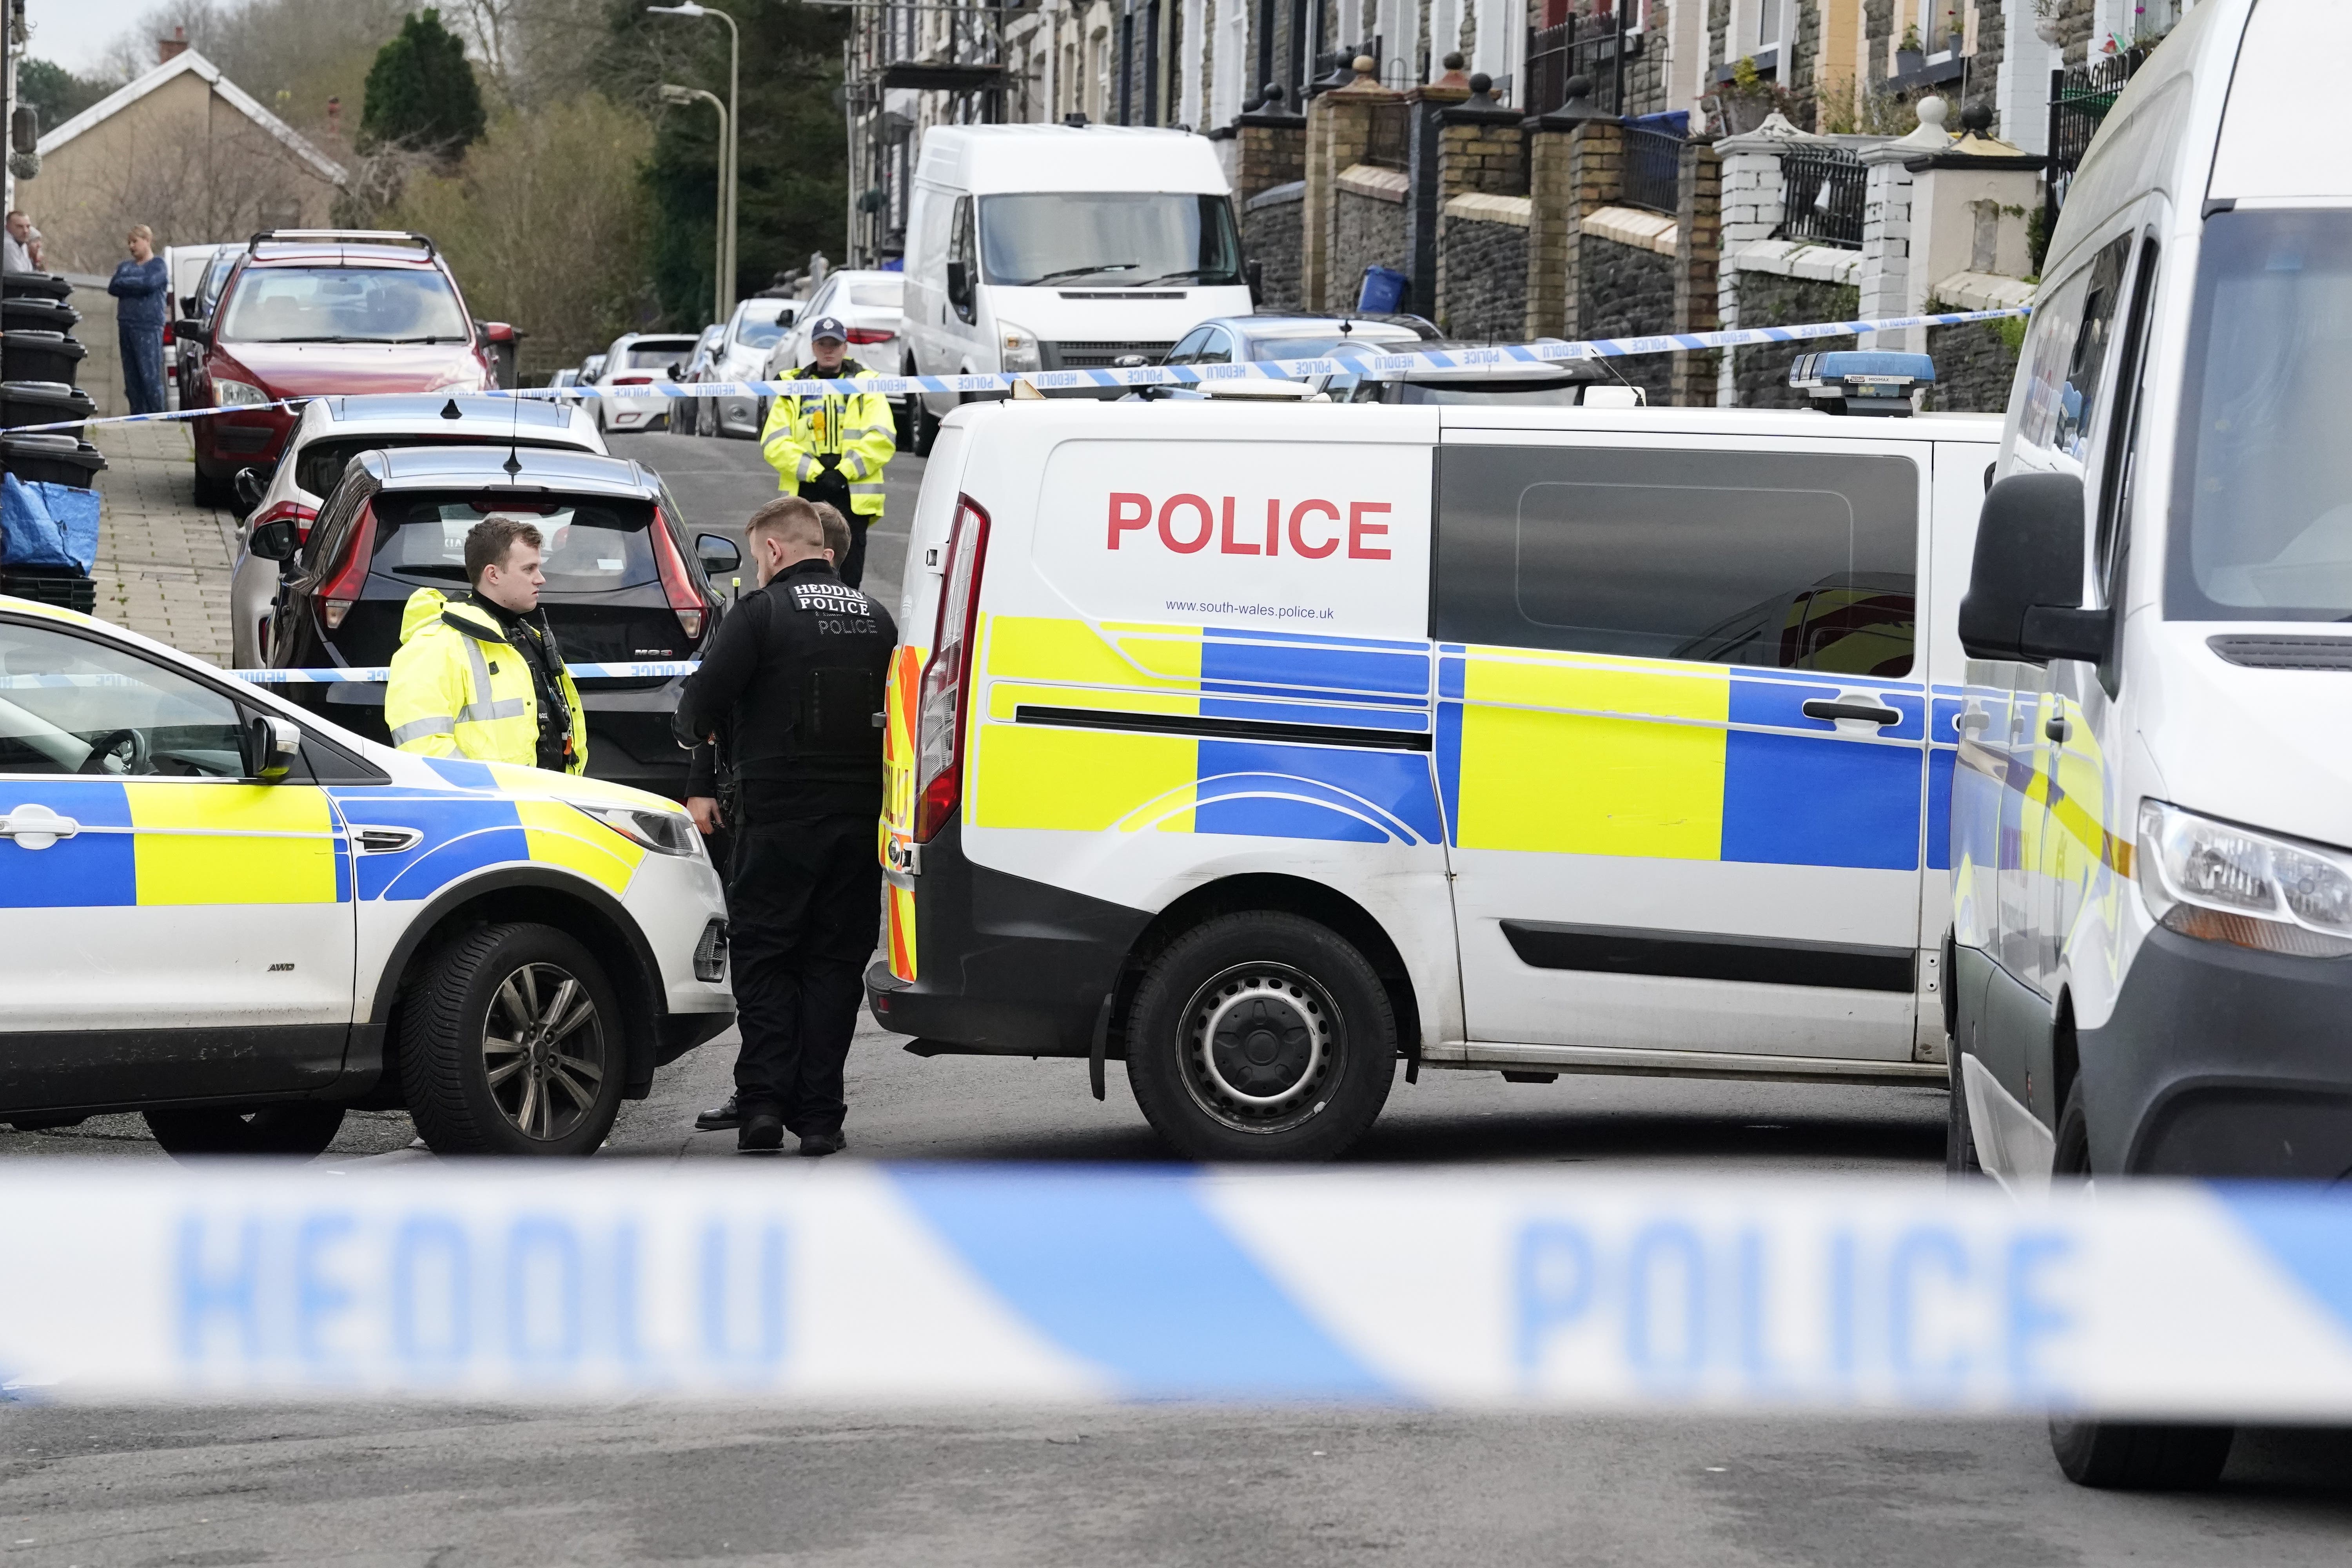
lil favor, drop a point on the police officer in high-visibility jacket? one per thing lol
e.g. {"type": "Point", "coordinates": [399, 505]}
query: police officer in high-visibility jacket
{"type": "Point", "coordinates": [834, 449]}
{"type": "Point", "coordinates": [483, 677]}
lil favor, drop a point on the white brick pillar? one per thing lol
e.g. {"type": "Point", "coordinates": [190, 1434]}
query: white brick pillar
{"type": "Point", "coordinates": [1753, 209]}
{"type": "Point", "coordinates": [2021, 94]}
{"type": "Point", "coordinates": [1891, 284]}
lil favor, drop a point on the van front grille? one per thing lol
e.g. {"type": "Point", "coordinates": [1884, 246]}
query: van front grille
{"type": "Point", "coordinates": [1100, 355]}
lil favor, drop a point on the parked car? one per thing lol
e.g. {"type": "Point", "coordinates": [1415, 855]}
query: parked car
{"type": "Point", "coordinates": [568, 376]}
{"type": "Point", "coordinates": [196, 306]}
{"type": "Point", "coordinates": [1232, 339]}
{"type": "Point", "coordinates": [624, 583]}
{"type": "Point", "coordinates": [330, 432]}
{"type": "Point", "coordinates": [755, 328]}
{"type": "Point", "coordinates": [230, 956]}
{"type": "Point", "coordinates": [1560, 383]}
{"type": "Point", "coordinates": [1061, 247]}
{"type": "Point", "coordinates": [184, 267]}
{"type": "Point", "coordinates": [639, 359]}
{"type": "Point", "coordinates": [688, 420]}
{"type": "Point", "coordinates": [310, 313]}
{"type": "Point", "coordinates": [868, 304]}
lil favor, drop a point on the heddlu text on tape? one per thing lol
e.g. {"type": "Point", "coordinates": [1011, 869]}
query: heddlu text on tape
{"type": "Point", "coordinates": [942, 1284]}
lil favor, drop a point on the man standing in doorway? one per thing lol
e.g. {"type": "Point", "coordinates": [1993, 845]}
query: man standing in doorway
{"type": "Point", "coordinates": [834, 449]}
{"type": "Point", "coordinates": [790, 692]}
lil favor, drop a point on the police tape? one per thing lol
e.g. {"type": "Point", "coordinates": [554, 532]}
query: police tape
{"type": "Point", "coordinates": [942, 1284]}
{"type": "Point", "coordinates": [377, 675]}
{"type": "Point", "coordinates": [1375, 366]}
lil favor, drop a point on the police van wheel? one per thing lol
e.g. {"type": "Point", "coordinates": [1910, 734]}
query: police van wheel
{"type": "Point", "coordinates": [2140, 1455]}
{"type": "Point", "coordinates": [1261, 1036]}
{"type": "Point", "coordinates": [1960, 1162]}
{"type": "Point", "coordinates": [300, 1128]}
{"type": "Point", "coordinates": [511, 1044]}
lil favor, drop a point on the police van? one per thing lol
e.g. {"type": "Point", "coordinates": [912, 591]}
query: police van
{"type": "Point", "coordinates": [222, 912]}
{"type": "Point", "coordinates": [1262, 747]}
{"type": "Point", "coordinates": [2153, 818]}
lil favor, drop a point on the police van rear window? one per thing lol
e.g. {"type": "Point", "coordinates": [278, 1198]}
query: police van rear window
{"type": "Point", "coordinates": [1784, 560]}
{"type": "Point", "coordinates": [591, 546]}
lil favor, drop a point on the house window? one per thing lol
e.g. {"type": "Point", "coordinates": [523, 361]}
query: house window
{"type": "Point", "coordinates": [1769, 26]}
{"type": "Point", "coordinates": [1941, 27]}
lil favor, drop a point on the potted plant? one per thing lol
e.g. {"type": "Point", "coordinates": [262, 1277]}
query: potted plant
{"type": "Point", "coordinates": [1908, 55]}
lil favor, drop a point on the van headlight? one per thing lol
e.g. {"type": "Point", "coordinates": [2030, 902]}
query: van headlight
{"type": "Point", "coordinates": [230, 393]}
{"type": "Point", "coordinates": [1018, 347]}
{"type": "Point", "coordinates": [2220, 882]}
{"type": "Point", "coordinates": [663, 832]}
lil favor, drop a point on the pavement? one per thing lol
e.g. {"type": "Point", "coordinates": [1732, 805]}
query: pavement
{"type": "Point", "coordinates": [630, 1482]}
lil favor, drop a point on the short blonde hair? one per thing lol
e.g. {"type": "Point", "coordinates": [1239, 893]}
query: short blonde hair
{"type": "Point", "coordinates": [791, 518]}
{"type": "Point", "coordinates": [141, 231]}
{"type": "Point", "coordinates": [836, 530]}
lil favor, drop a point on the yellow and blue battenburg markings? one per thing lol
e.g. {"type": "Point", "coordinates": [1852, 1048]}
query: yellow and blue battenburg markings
{"type": "Point", "coordinates": [1141, 727]}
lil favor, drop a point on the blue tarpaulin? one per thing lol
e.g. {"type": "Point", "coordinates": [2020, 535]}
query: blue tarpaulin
{"type": "Point", "coordinates": [43, 524]}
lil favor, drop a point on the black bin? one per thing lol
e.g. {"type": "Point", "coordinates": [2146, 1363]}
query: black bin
{"type": "Point", "coordinates": [34, 286]}
{"type": "Point", "coordinates": [40, 356]}
{"type": "Point", "coordinates": [60, 459]}
{"type": "Point", "coordinates": [31, 314]}
{"type": "Point", "coordinates": [41, 402]}
{"type": "Point", "coordinates": [60, 585]}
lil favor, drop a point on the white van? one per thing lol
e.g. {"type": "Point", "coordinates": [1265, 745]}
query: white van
{"type": "Point", "coordinates": [1264, 746]}
{"type": "Point", "coordinates": [1061, 247]}
{"type": "Point", "coordinates": [2152, 817]}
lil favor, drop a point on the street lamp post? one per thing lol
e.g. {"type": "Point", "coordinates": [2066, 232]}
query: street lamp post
{"type": "Point", "coordinates": [672, 93]}
{"type": "Point", "coordinates": [729, 137]}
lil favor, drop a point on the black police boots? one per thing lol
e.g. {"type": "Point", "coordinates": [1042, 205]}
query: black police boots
{"type": "Point", "coordinates": [762, 1133]}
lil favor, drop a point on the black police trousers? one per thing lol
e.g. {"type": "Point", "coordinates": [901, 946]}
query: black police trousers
{"type": "Point", "coordinates": [834, 490]}
{"type": "Point", "coordinates": [804, 910]}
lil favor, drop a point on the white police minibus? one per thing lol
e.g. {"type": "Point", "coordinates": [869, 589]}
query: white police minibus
{"type": "Point", "coordinates": [2152, 944]}
{"type": "Point", "coordinates": [1262, 747]}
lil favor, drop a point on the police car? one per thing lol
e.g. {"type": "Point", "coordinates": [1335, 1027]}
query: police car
{"type": "Point", "coordinates": [219, 910]}
{"type": "Point", "coordinates": [1264, 746]}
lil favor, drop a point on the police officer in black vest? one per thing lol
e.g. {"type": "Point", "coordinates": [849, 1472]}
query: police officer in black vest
{"type": "Point", "coordinates": [790, 693]}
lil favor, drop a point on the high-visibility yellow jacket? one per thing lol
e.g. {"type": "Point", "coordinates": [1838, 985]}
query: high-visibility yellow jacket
{"type": "Point", "coordinates": [460, 690]}
{"type": "Point", "coordinates": [860, 425]}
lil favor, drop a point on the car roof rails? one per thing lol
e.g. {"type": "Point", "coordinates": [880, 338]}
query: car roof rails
{"type": "Point", "coordinates": [338, 236]}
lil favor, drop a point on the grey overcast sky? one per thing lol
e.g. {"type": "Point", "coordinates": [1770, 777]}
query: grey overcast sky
{"type": "Point", "coordinates": [75, 33]}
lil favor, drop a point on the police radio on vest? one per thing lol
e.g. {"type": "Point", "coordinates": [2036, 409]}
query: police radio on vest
{"type": "Point", "coordinates": [1187, 524]}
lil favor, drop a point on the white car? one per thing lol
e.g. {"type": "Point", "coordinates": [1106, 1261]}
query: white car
{"type": "Point", "coordinates": [222, 912]}
{"type": "Point", "coordinates": [752, 333]}
{"type": "Point", "coordinates": [868, 303]}
{"type": "Point", "coordinates": [639, 359]}
{"type": "Point", "coordinates": [331, 433]}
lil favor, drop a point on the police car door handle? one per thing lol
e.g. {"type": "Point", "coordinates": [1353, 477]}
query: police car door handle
{"type": "Point", "coordinates": [37, 827]}
{"type": "Point", "coordinates": [1824, 708]}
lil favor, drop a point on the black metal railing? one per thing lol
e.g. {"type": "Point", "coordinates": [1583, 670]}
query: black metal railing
{"type": "Point", "coordinates": [1389, 145]}
{"type": "Point", "coordinates": [1822, 190]}
{"type": "Point", "coordinates": [1588, 46]}
{"type": "Point", "coordinates": [1653, 162]}
{"type": "Point", "coordinates": [2079, 102]}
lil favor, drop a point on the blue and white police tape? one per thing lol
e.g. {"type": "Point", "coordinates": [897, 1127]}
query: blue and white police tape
{"type": "Point", "coordinates": [881, 1284]}
{"type": "Point", "coordinates": [377, 675]}
{"type": "Point", "coordinates": [1376, 366]}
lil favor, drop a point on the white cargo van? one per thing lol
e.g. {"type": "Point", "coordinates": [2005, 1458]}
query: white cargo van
{"type": "Point", "coordinates": [1262, 747]}
{"type": "Point", "coordinates": [1062, 247]}
{"type": "Point", "coordinates": [2152, 822]}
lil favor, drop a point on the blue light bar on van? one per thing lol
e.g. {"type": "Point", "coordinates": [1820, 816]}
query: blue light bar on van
{"type": "Point", "coordinates": [1857, 383]}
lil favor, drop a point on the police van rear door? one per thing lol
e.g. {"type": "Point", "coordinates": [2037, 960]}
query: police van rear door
{"type": "Point", "coordinates": [1682, 738]}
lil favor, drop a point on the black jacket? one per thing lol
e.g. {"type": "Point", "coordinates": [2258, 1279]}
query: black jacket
{"type": "Point", "coordinates": [793, 685]}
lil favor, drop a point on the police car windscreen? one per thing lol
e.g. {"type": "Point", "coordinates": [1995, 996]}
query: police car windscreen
{"type": "Point", "coordinates": [590, 547]}
{"type": "Point", "coordinates": [2263, 496]}
{"type": "Point", "coordinates": [1790, 561]}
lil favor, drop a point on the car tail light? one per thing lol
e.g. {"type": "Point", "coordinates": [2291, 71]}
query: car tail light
{"type": "Point", "coordinates": [301, 516]}
{"type": "Point", "coordinates": [944, 696]}
{"type": "Point", "coordinates": [346, 576]}
{"type": "Point", "coordinates": [677, 582]}
{"type": "Point", "coordinates": [168, 339]}
{"type": "Point", "coordinates": [871, 334]}
{"type": "Point", "coordinates": [633, 381]}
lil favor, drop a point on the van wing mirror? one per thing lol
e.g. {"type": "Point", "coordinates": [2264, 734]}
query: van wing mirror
{"type": "Point", "coordinates": [960, 285]}
{"type": "Point", "coordinates": [1253, 274]}
{"type": "Point", "coordinates": [719, 553]}
{"type": "Point", "coordinates": [2025, 585]}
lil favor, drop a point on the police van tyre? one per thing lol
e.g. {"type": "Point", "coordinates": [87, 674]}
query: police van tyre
{"type": "Point", "coordinates": [1960, 1162]}
{"type": "Point", "coordinates": [2127, 1455]}
{"type": "Point", "coordinates": [1261, 1036]}
{"type": "Point", "coordinates": [300, 1128]}
{"type": "Point", "coordinates": [511, 1044]}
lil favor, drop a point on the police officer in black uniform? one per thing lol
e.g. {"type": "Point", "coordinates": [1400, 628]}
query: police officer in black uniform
{"type": "Point", "coordinates": [791, 688]}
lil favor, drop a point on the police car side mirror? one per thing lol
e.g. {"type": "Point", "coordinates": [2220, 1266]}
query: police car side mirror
{"type": "Point", "coordinates": [2025, 587]}
{"type": "Point", "coordinates": [717, 553]}
{"type": "Point", "coordinates": [267, 746]}
{"type": "Point", "coordinates": [274, 540]}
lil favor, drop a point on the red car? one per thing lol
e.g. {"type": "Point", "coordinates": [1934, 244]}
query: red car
{"type": "Point", "coordinates": [307, 313]}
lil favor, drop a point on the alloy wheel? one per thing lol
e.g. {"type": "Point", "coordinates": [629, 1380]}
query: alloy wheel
{"type": "Point", "coordinates": [544, 1049]}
